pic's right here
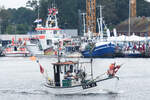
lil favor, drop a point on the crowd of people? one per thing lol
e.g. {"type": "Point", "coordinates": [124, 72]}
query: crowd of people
{"type": "Point", "coordinates": [134, 46]}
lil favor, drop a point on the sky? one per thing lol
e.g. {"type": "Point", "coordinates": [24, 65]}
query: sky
{"type": "Point", "coordinates": [147, 0]}
{"type": "Point", "coordinates": [13, 3]}
{"type": "Point", "coordinates": [17, 3]}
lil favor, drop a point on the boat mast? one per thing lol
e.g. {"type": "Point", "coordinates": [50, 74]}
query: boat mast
{"type": "Point", "coordinates": [38, 3]}
{"type": "Point", "coordinates": [91, 60]}
{"type": "Point", "coordinates": [84, 22]}
{"type": "Point", "coordinates": [100, 24]}
{"type": "Point", "coordinates": [38, 16]}
{"type": "Point", "coordinates": [92, 68]}
{"type": "Point", "coordinates": [101, 21]}
{"type": "Point", "coordinates": [58, 51]}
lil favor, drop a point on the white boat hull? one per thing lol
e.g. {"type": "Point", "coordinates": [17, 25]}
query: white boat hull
{"type": "Point", "coordinates": [71, 90]}
{"type": "Point", "coordinates": [17, 54]}
{"type": "Point", "coordinates": [107, 86]}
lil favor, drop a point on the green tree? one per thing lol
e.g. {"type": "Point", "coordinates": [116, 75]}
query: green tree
{"type": "Point", "coordinates": [143, 8]}
{"type": "Point", "coordinates": [114, 11]}
{"type": "Point", "coordinates": [4, 16]}
{"type": "Point", "coordinates": [22, 16]}
{"type": "Point", "coordinates": [22, 28]}
{"type": "Point", "coordinates": [10, 29]}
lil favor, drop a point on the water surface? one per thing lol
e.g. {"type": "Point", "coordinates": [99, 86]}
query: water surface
{"type": "Point", "coordinates": [20, 79]}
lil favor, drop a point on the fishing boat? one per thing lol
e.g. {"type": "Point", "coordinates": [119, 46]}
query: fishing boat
{"type": "Point", "coordinates": [77, 83]}
{"type": "Point", "coordinates": [101, 47]}
{"type": "Point", "coordinates": [70, 77]}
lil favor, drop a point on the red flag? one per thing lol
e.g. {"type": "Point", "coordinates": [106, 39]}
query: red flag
{"type": "Point", "coordinates": [55, 52]}
{"type": "Point", "coordinates": [41, 69]}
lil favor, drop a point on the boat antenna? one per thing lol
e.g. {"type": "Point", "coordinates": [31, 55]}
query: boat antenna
{"type": "Point", "coordinates": [58, 45]}
{"type": "Point", "coordinates": [92, 60]}
{"type": "Point", "coordinates": [54, 2]}
{"type": "Point", "coordinates": [100, 24]}
{"type": "Point", "coordinates": [92, 68]}
{"type": "Point", "coordinates": [84, 15]}
{"type": "Point", "coordinates": [38, 5]}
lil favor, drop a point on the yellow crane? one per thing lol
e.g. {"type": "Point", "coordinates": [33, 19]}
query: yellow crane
{"type": "Point", "coordinates": [91, 15]}
{"type": "Point", "coordinates": [133, 8]}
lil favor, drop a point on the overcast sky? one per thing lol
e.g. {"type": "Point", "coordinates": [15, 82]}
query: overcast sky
{"type": "Point", "coordinates": [147, 0]}
{"type": "Point", "coordinates": [17, 3]}
{"type": "Point", "coordinates": [13, 3]}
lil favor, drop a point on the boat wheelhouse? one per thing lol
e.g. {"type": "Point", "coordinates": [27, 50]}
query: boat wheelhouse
{"type": "Point", "coordinates": [69, 78]}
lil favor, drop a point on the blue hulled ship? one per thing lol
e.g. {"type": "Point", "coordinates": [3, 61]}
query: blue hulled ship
{"type": "Point", "coordinates": [99, 50]}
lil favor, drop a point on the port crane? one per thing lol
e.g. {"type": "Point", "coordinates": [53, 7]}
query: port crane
{"type": "Point", "coordinates": [91, 15]}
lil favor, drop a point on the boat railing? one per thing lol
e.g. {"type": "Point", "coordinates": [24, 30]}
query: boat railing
{"type": "Point", "coordinates": [64, 83]}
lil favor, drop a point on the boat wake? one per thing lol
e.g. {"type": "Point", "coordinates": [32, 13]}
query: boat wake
{"type": "Point", "coordinates": [25, 92]}
{"type": "Point", "coordinates": [45, 92]}
{"type": "Point", "coordinates": [101, 92]}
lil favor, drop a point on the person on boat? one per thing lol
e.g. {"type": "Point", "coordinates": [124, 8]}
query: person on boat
{"type": "Point", "coordinates": [70, 75]}
{"type": "Point", "coordinates": [113, 70]}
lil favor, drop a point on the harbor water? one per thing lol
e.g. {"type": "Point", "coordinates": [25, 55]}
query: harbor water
{"type": "Point", "coordinates": [20, 79]}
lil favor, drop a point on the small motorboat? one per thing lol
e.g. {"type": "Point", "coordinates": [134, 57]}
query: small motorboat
{"type": "Point", "coordinates": [70, 77]}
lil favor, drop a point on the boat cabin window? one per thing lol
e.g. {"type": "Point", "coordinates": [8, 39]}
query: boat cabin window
{"type": "Point", "coordinates": [65, 69]}
{"type": "Point", "coordinates": [34, 41]}
{"type": "Point", "coordinates": [71, 68]}
{"type": "Point", "coordinates": [40, 32]}
{"type": "Point", "coordinates": [49, 22]}
{"type": "Point", "coordinates": [15, 48]}
{"type": "Point", "coordinates": [49, 42]}
{"type": "Point", "coordinates": [55, 32]}
{"type": "Point", "coordinates": [68, 68]}
{"type": "Point", "coordinates": [53, 24]}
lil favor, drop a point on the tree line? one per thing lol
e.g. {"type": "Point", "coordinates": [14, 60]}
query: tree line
{"type": "Point", "coordinates": [20, 21]}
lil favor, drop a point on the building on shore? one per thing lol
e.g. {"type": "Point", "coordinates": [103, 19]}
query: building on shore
{"type": "Point", "coordinates": [138, 25]}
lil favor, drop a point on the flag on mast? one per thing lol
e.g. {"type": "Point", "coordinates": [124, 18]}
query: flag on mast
{"type": "Point", "coordinates": [38, 20]}
{"type": "Point", "coordinates": [41, 69]}
{"type": "Point", "coordinates": [33, 58]}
